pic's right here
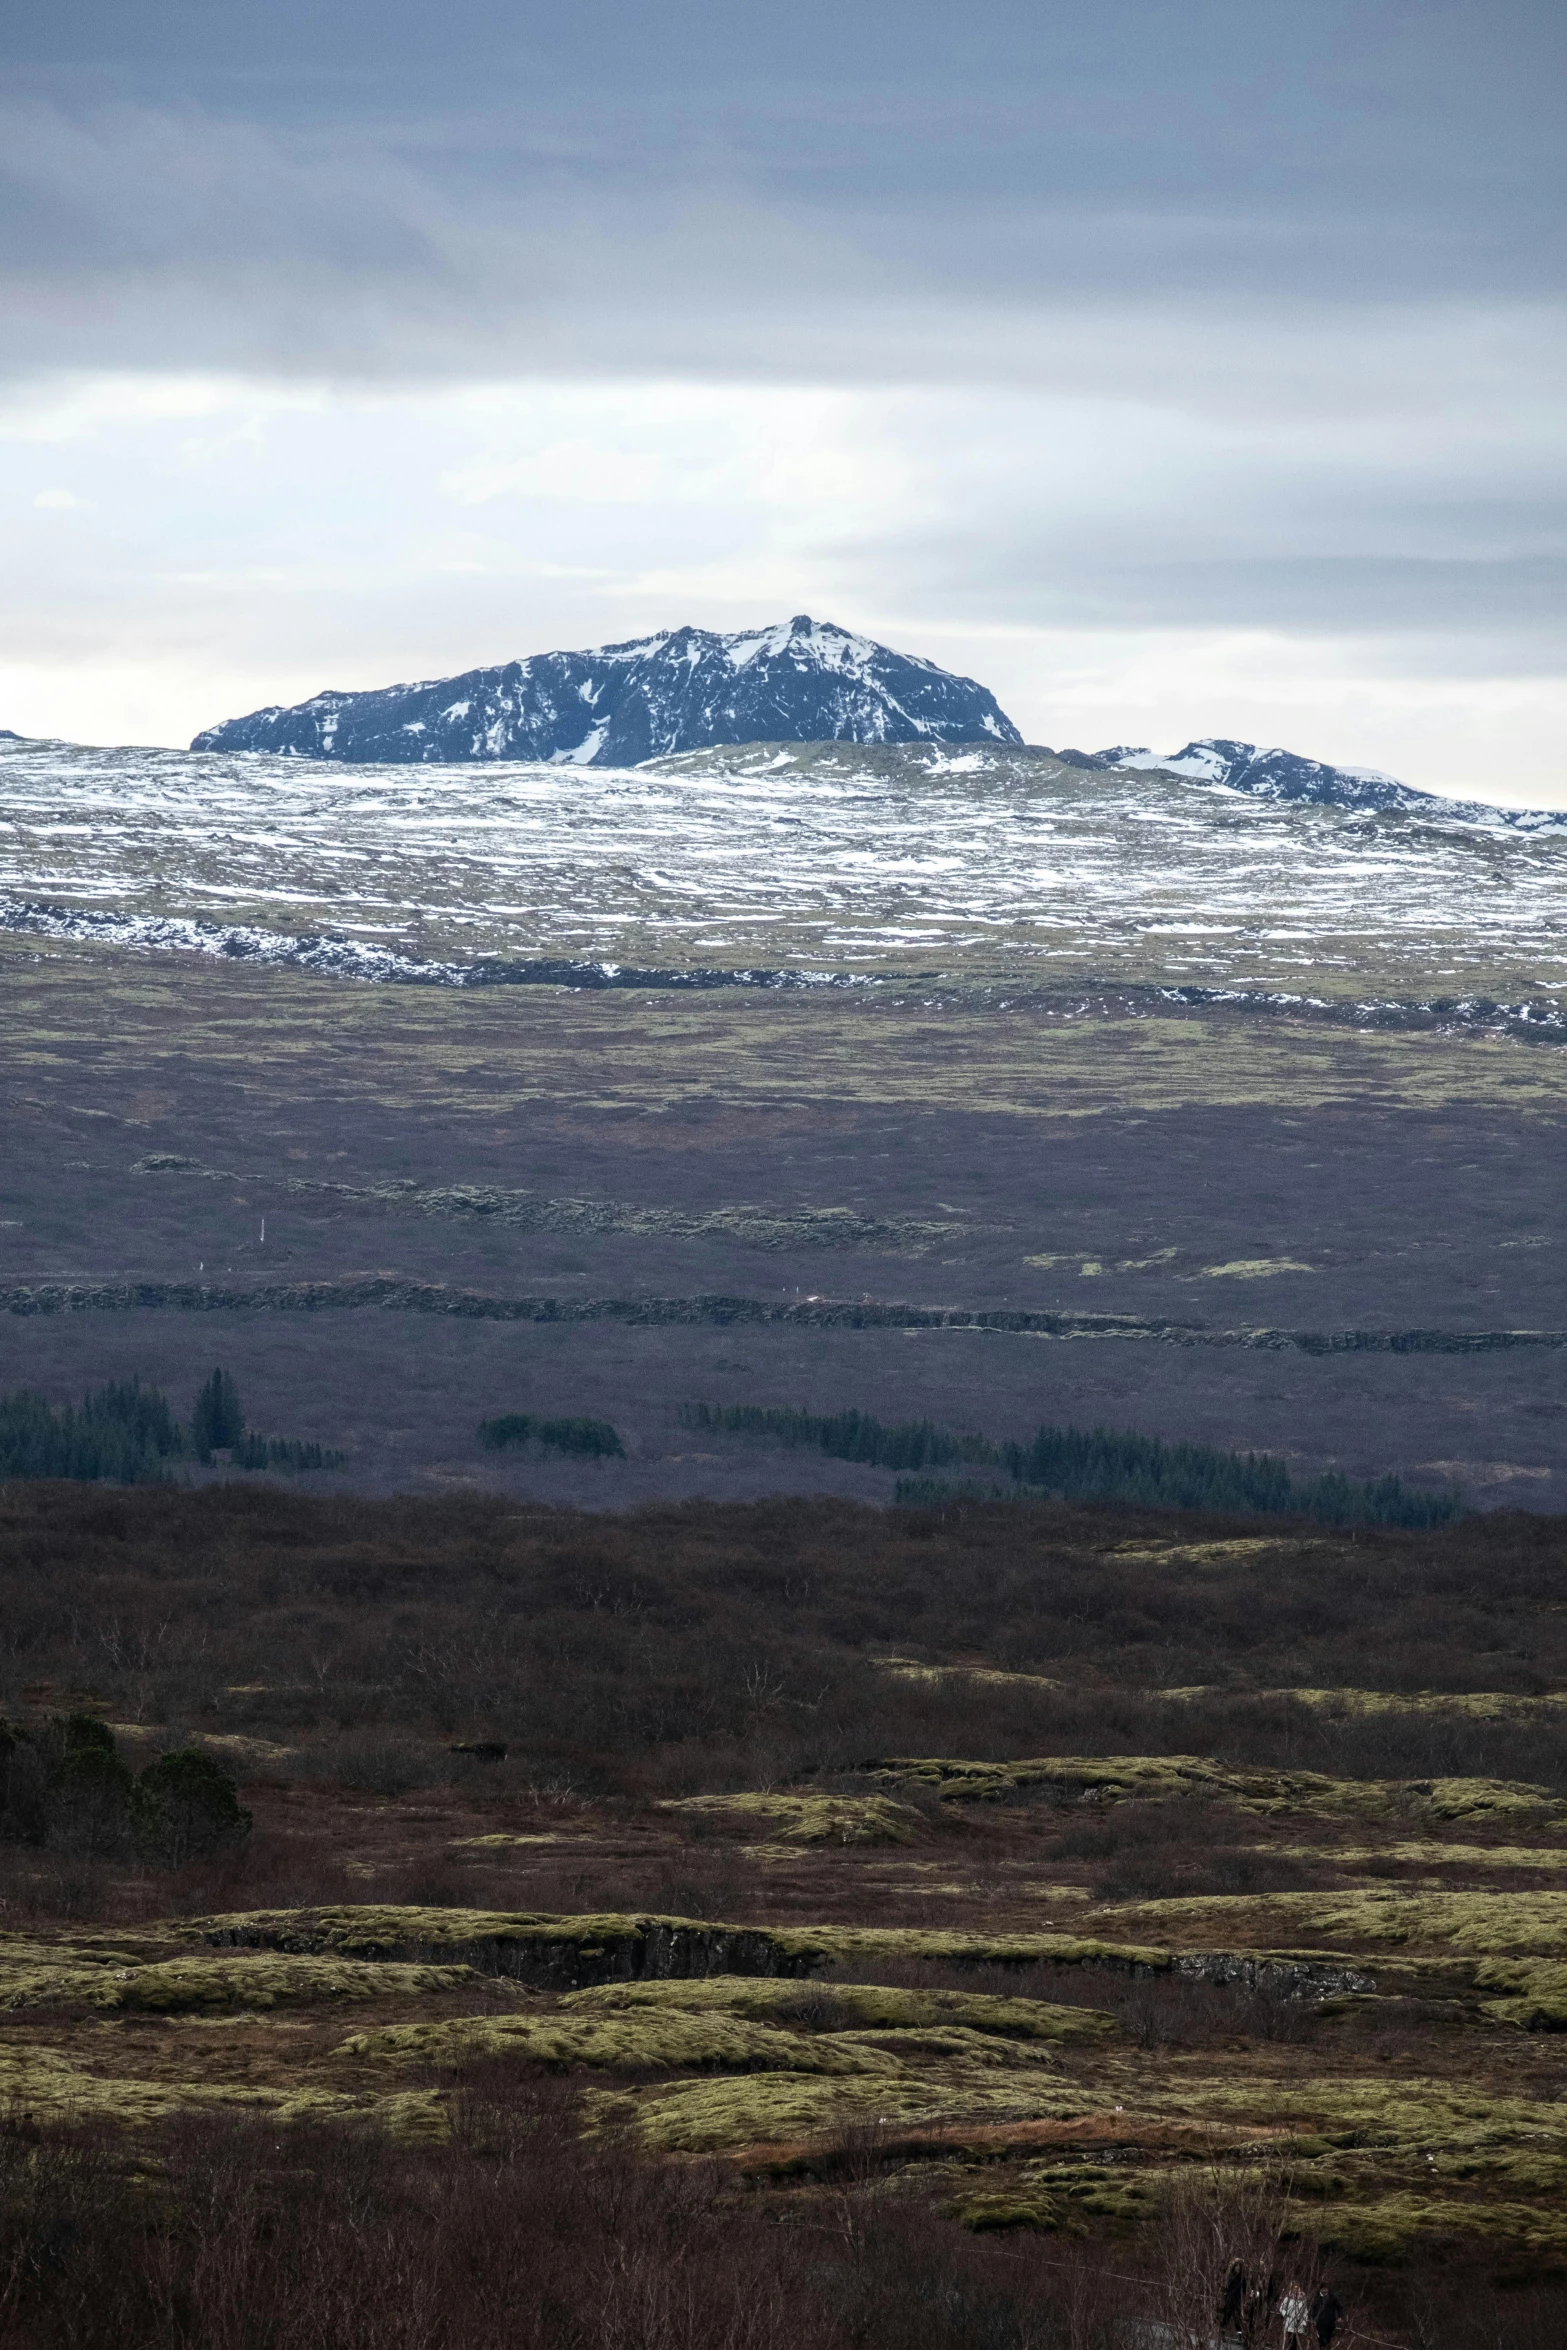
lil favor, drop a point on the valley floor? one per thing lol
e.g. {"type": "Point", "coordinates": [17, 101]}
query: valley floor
{"type": "Point", "coordinates": [391, 1212]}
{"type": "Point", "coordinates": [1047, 1889]}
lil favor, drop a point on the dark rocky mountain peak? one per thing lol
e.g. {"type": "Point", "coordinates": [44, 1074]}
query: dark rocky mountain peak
{"type": "Point", "coordinates": [688, 689]}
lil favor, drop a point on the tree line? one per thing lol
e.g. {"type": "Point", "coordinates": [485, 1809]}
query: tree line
{"type": "Point", "coordinates": [589, 1440]}
{"type": "Point", "coordinates": [1084, 1465]}
{"type": "Point", "coordinates": [125, 1434]}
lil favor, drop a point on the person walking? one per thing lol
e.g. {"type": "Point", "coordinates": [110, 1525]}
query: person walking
{"type": "Point", "coordinates": [1294, 2316]}
{"type": "Point", "coordinates": [1326, 2311]}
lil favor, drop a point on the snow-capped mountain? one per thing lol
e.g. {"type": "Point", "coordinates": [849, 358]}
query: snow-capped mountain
{"type": "Point", "coordinates": [686, 690]}
{"type": "Point", "coordinates": [1284, 775]}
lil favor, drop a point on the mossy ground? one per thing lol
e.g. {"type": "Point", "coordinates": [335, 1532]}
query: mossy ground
{"type": "Point", "coordinates": [1425, 2105]}
{"type": "Point", "coordinates": [862, 2006]}
{"type": "Point", "coordinates": [1036, 1982]}
{"type": "Point", "coordinates": [809, 1819]}
{"type": "Point", "coordinates": [1479, 1920]}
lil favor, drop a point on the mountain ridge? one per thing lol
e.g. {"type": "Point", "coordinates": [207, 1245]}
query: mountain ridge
{"type": "Point", "coordinates": [1275, 774]}
{"type": "Point", "coordinates": [684, 689]}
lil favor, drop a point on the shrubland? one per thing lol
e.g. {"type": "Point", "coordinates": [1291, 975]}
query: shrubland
{"type": "Point", "coordinates": [726, 1925]}
{"type": "Point", "coordinates": [700, 1648]}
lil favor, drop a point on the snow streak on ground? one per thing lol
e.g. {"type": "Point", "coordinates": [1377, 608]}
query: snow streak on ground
{"type": "Point", "coordinates": [986, 866]}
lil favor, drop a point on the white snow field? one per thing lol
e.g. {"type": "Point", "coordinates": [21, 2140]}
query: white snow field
{"type": "Point", "coordinates": [980, 866]}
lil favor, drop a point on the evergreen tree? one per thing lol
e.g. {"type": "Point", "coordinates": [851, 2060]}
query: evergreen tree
{"type": "Point", "coordinates": [65, 1786]}
{"type": "Point", "coordinates": [216, 1423]}
{"type": "Point", "coordinates": [122, 1431]}
{"type": "Point", "coordinates": [1096, 1464]}
{"type": "Point", "coordinates": [184, 1806]}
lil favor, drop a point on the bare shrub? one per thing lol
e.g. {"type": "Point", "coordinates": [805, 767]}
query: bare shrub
{"type": "Point", "coordinates": [381, 1762]}
{"type": "Point", "coordinates": [519, 2235]}
{"type": "Point", "coordinates": [1227, 2252]}
{"type": "Point", "coordinates": [622, 1656]}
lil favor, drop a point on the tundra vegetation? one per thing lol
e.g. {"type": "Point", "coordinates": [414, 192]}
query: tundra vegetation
{"type": "Point", "coordinates": [978, 1924]}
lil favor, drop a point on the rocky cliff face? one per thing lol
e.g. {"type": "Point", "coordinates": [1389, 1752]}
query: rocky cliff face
{"type": "Point", "coordinates": [803, 681]}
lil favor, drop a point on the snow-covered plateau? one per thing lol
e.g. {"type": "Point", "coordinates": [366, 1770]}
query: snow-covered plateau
{"type": "Point", "coordinates": [978, 866]}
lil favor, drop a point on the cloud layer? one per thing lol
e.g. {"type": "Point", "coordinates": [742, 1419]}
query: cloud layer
{"type": "Point", "coordinates": [336, 340]}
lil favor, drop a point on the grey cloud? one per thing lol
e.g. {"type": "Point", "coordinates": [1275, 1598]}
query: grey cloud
{"type": "Point", "coordinates": [1507, 612]}
{"type": "Point", "coordinates": [429, 192]}
{"type": "Point", "coordinates": [1318, 246]}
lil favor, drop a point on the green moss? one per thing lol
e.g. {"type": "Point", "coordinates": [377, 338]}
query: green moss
{"type": "Point", "coordinates": [1103, 1779]}
{"type": "Point", "coordinates": [649, 2039]}
{"type": "Point", "coordinates": [698, 2117]}
{"type": "Point", "coordinates": [50, 1986]}
{"type": "Point", "coordinates": [998, 2212]}
{"type": "Point", "coordinates": [908, 1668]}
{"type": "Point", "coordinates": [373, 1929]}
{"type": "Point", "coordinates": [868, 2006]}
{"type": "Point", "coordinates": [501, 1842]}
{"type": "Point", "coordinates": [847, 1945]}
{"type": "Point", "coordinates": [179, 1985]}
{"type": "Point", "coordinates": [1392, 2226]}
{"type": "Point", "coordinates": [952, 2095]}
{"type": "Point", "coordinates": [811, 1819]}
{"type": "Point", "coordinates": [1239, 1551]}
{"type": "Point", "coordinates": [1476, 1705]}
{"type": "Point", "coordinates": [631, 1947]}
{"type": "Point", "coordinates": [1121, 1778]}
{"type": "Point", "coordinates": [1473, 1920]}
{"type": "Point", "coordinates": [1442, 2124]}
{"type": "Point", "coordinates": [1534, 1993]}
{"type": "Point", "coordinates": [1425, 1852]}
{"type": "Point", "coordinates": [946, 2044]}
{"type": "Point", "coordinates": [41, 2084]}
{"type": "Point", "coordinates": [539, 1947]}
{"type": "Point", "coordinates": [20, 1950]}
{"type": "Point", "coordinates": [269, 1981]}
{"type": "Point", "coordinates": [1464, 1799]}
{"type": "Point", "coordinates": [1060, 2196]}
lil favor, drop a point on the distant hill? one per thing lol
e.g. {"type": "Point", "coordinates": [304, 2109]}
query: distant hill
{"type": "Point", "coordinates": [686, 690]}
{"type": "Point", "coordinates": [1285, 775]}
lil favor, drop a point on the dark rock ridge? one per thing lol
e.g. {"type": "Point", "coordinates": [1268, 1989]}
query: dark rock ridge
{"type": "Point", "coordinates": [1285, 775]}
{"type": "Point", "coordinates": [551, 1952]}
{"type": "Point", "coordinates": [387, 1293]}
{"type": "Point", "coordinates": [530, 1211]}
{"type": "Point", "coordinates": [685, 690]}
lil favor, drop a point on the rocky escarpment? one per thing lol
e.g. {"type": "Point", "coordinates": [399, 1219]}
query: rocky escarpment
{"type": "Point", "coordinates": [546, 1951]}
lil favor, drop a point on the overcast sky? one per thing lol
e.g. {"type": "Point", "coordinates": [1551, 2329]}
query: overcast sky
{"type": "Point", "coordinates": [1174, 369]}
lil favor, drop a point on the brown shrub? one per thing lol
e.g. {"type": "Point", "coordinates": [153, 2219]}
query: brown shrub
{"type": "Point", "coordinates": [705, 1645]}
